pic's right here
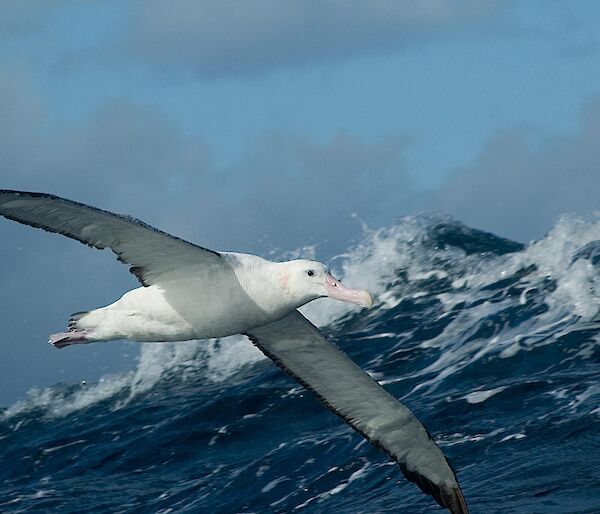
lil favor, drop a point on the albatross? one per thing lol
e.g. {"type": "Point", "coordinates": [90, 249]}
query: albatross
{"type": "Point", "coordinates": [189, 292]}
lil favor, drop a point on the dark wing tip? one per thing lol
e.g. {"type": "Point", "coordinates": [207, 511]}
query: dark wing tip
{"type": "Point", "coordinates": [450, 497]}
{"type": "Point", "coordinates": [30, 194]}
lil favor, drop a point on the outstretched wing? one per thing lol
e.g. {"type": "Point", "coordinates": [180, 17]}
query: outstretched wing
{"type": "Point", "coordinates": [299, 349]}
{"type": "Point", "coordinates": [152, 254]}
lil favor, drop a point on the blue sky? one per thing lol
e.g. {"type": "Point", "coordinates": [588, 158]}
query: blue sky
{"type": "Point", "coordinates": [265, 125]}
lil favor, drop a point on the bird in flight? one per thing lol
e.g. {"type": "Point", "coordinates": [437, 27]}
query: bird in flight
{"type": "Point", "coordinates": [189, 292]}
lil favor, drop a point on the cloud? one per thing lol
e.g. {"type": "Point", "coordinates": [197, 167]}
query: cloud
{"type": "Point", "coordinates": [23, 17]}
{"type": "Point", "coordinates": [225, 37]}
{"type": "Point", "coordinates": [523, 180]}
{"type": "Point", "coordinates": [306, 191]}
{"type": "Point", "coordinates": [284, 191]}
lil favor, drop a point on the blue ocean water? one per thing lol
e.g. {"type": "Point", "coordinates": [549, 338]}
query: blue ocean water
{"type": "Point", "coordinates": [494, 345]}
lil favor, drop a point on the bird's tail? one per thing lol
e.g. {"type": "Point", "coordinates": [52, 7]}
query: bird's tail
{"type": "Point", "coordinates": [74, 319]}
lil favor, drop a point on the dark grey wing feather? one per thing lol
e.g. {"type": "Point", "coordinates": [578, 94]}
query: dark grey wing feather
{"type": "Point", "coordinates": [153, 255]}
{"type": "Point", "coordinates": [297, 347]}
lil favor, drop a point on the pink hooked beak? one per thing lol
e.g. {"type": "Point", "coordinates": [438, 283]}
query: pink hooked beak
{"type": "Point", "coordinates": [337, 290]}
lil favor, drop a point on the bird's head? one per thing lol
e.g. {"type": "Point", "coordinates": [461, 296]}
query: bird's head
{"type": "Point", "coordinates": [307, 280]}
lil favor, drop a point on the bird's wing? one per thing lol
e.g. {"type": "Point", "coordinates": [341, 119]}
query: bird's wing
{"type": "Point", "coordinates": [299, 349]}
{"type": "Point", "coordinates": [152, 255]}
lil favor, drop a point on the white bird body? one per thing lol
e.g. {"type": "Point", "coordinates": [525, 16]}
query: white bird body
{"type": "Point", "coordinates": [213, 301]}
{"type": "Point", "coordinates": [191, 292]}
{"type": "Point", "coordinates": [141, 314]}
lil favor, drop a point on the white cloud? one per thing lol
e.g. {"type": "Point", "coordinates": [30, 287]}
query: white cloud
{"type": "Point", "coordinates": [286, 189]}
{"type": "Point", "coordinates": [24, 16]}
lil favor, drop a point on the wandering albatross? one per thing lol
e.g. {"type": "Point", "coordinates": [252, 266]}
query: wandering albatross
{"type": "Point", "coordinates": [190, 292]}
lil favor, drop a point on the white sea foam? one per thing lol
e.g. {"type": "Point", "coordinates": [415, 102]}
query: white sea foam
{"type": "Point", "coordinates": [359, 473]}
{"type": "Point", "coordinates": [219, 360]}
{"type": "Point", "coordinates": [518, 435]}
{"type": "Point", "coordinates": [573, 298]}
{"type": "Point", "coordinates": [460, 438]}
{"type": "Point", "coordinates": [273, 483]}
{"type": "Point", "coordinates": [483, 395]}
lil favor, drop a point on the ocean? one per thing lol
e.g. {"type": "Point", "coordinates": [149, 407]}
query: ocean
{"type": "Point", "coordinates": [494, 345]}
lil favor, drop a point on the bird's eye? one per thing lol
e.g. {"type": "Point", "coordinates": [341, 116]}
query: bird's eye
{"type": "Point", "coordinates": [310, 273]}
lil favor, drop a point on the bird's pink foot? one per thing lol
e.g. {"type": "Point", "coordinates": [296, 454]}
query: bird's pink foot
{"type": "Point", "coordinates": [63, 339]}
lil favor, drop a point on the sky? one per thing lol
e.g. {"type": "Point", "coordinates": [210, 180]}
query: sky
{"type": "Point", "coordinates": [264, 126]}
